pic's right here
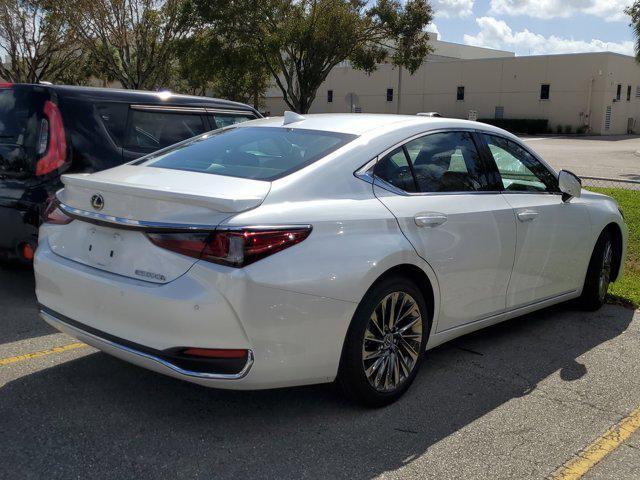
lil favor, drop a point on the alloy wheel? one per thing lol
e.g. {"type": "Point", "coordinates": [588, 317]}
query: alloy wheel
{"type": "Point", "coordinates": [605, 270]}
{"type": "Point", "coordinates": [392, 341]}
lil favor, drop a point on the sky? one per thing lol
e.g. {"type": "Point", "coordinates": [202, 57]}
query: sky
{"type": "Point", "coordinates": [534, 27]}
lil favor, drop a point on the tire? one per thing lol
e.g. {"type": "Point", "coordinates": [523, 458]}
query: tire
{"type": "Point", "coordinates": [596, 282]}
{"type": "Point", "coordinates": [393, 355]}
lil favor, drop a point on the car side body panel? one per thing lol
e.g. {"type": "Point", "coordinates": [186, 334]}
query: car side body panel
{"type": "Point", "coordinates": [471, 251]}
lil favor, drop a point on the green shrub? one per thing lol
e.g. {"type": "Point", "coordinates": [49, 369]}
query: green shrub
{"type": "Point", "coordinates": [581, 130]}
{"type": "Point", "coordinates": [532, 126]}
{"type": "Point", "coordinates": [568, 129]}
{"type": "Point", "coordinates": [559, 129]}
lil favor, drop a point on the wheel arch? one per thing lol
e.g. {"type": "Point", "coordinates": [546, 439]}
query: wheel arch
{"type": "Point", "coordinates": [424, 284]}
{"type": "Point", "coordinates": [417, 276]}
{"type": "Point", "coordinates": [422, 281]}
{"type": "Point", "coordinates": [616, 236]}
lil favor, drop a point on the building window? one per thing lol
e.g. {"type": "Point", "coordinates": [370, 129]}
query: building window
{"type": "Point", "coordinates": [545, 89]}
{"type": "Point", "coordinates": [329, 96]}
{"type": "Point", "coordinates": [389, 94]}
{"type": "Point", "coordinates": [499, 112]}
{"type": "Point", "coordinates": [628, 93]}
{"type": "Point", "coordinates": [619, 92]}
{"type": "Point", "coordinates": [460, 94]}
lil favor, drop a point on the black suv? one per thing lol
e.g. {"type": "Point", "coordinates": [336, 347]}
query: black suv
{"type": "Point", "coordinates": [47, 130]}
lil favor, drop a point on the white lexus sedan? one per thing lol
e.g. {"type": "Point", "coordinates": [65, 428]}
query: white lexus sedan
{"type": "Point", "coordinates": [299, 250]}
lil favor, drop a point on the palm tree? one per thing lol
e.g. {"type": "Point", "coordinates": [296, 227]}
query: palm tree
{"type": "Point", "coordinates": [634, 12]}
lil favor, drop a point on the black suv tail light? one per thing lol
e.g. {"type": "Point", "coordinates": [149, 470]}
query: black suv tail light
{"type": "Point", "coordinates": [52, 140]}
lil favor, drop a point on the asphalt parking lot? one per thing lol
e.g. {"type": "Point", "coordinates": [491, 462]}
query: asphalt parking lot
{"type": "Point", "coordinates": [518, 400]}
{"type": "Point", "coordinates": [609, 157]}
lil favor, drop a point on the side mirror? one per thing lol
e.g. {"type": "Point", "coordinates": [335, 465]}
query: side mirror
{"type": "Point", "coordinates": [570, 185]}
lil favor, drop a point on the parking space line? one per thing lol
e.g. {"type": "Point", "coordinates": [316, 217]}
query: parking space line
{"type": "Point", "coordinates": [41, 353]}
{"type": "Point", "coordinates": [586, 459]}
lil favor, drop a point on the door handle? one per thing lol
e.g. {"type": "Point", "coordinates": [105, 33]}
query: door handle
{"type": "Point", "coordinates": [430, 219]}
{"type": "Point", "coordinates": [527, 215]}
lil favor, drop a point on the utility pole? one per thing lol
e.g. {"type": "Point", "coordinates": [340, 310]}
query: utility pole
{"type": "Point", "coordinates": [399, 89]}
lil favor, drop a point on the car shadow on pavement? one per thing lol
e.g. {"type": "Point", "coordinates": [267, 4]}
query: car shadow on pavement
{"type": "Point", "coordinates": [19, 318]}
{"type": "Point", "coordinates": [98, 417]}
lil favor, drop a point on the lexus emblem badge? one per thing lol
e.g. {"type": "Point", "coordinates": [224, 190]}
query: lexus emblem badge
{"type": "Point", "coordinates": [97, 202]}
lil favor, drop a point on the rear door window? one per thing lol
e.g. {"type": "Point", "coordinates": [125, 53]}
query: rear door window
{"type": "Point", "coordinates": [438, 162]}
{"type": "Point", "coordinates": [153, 130]}
{"type": "Point", "coordinates": [262, 153]}
{"type": "Point", "coordinates": [446, 162]}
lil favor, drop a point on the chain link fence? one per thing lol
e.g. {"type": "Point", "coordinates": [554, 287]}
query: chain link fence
{"type": "Point", "coordinates": [602, 182]}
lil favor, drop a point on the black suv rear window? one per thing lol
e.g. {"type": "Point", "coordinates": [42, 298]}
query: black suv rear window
{"type": "Point", "coordinates": [21, 109]}
{"type": "Point", "coordinates": [261, 153]}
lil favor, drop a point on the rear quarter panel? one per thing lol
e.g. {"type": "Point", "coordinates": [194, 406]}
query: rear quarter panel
{"type": "Point", "coordinates": [355, 240]}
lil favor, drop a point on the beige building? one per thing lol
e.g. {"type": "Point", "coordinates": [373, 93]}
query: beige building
{"type": "Point", "coordinates": [595, 92]}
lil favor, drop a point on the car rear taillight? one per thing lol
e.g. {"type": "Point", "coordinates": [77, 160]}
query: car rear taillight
{"type": "Point", "coordinates": [233, 247]}
{"type": "Point", "coordinates": [53, 213]}
{"type": "Point", "coordinates": [215, 352]}
{"type": "Point", "coordinates": [53, 136]}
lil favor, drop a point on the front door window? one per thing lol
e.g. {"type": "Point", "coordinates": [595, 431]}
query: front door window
{"type": "Point", "coordinates": [519, 170]}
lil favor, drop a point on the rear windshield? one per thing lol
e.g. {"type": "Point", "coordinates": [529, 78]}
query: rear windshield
{"type": "Point", "coordinates": [21, 110]}
{"type": "Point", "coordinates": [261, 153]}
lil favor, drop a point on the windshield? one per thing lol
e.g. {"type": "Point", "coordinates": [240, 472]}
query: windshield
{"type": "Point", "coordinates": [21, 111]}
{"type": "Point", "coordinates": [261, 153]}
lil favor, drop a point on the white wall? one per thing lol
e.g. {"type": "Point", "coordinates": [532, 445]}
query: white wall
{"type": "Point", "coordinates": [580, 84]}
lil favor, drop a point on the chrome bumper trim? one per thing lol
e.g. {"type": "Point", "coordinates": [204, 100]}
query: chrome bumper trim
{"type": "Point", "coordinates": [49, 318]}
{"type": "Point", "coordinates": [129, 224]}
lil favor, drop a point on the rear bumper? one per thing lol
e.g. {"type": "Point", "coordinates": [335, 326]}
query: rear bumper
{"type": "Point", "coordinates": [294, 338]}
{"type": "Point", "coordinates": [137, 354]}
{"type": "Point", "coordinates": [19, 226]}
{"type": "Point", "coordinates": [21, 204]}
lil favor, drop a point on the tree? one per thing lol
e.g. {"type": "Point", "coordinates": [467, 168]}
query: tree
{"type": "Point", "coordinates": [131, 41]}
{"type": "Point", "coordinates": [300, 41]}
{"type": "Point", "coordinates": [36, 44]}
{"type": "Point", "coordinates": [211, 62]}
{"type": "Point", "coordinates": [634, 12]}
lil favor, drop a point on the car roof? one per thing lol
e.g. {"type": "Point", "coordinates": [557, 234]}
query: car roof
{"type": "Point", "coordinates": [141, 96]}
{"type": "Point", "coordinates": [362, 123]}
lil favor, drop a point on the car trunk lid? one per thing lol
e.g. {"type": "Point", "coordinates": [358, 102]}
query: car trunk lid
{"type": "Point", "coordinates": [115, 208]}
